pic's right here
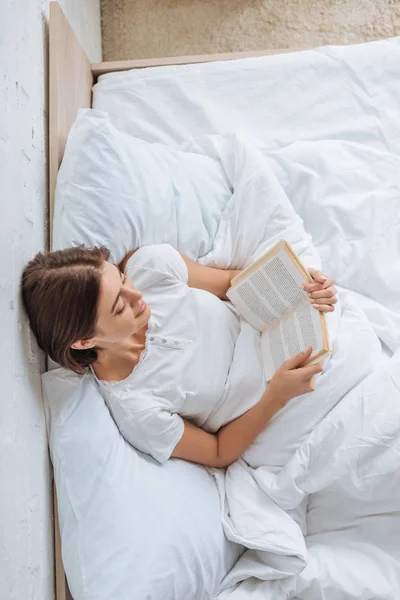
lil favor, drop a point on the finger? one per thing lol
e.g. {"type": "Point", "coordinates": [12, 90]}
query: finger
{"type": "Point", "coordinates": [323, 300]}
{"type": "Point", "coordinates": [328, 293]}
{"type": "Point", "coordinates": [310, 384]}
{"type": "Point", "coordinates": [329, 281]}
{"type": "Point", "coordinates": [315, 285]}
{"type": "Point", "coordinates": [323, 307]}
{"type": "Point", "coordinates": [311, 370]}
{"type": "Point", "coordinates": [298, 360]}
{"type": "Point", "coordinates": [317, 275]}
{"type": "Point", "coordinates": [313, 383]}
{"type": "Point", "coordinates": [312, 287]}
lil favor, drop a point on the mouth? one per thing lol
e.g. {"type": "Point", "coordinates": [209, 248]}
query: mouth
{"type": "Point", "coordinates": [142, 308]}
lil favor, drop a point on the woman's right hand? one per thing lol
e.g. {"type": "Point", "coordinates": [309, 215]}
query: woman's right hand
{"type": "Point", "coordinates": [222, 448]}
{"type": "Point", "coordinates": [293, 379]}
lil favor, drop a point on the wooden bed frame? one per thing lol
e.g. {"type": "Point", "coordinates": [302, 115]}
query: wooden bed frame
{"type": "Point", "coordinates": [71, 78]}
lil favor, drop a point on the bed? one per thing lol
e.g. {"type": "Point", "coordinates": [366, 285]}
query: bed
{"type": "Point", "coordinates": [141, 99]}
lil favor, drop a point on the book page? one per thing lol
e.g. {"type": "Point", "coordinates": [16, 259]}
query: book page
{"type": "Point", "coordinates": [290, 336]}
{"type": "Point", "coordinates": [270, 292]}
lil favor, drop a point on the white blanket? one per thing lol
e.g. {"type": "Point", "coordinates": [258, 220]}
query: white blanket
{"type": "Point", "coordinates": [320, 481]}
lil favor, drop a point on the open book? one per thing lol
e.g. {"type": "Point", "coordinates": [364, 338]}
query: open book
{"type": "Point", "coordinates": [269, 295]}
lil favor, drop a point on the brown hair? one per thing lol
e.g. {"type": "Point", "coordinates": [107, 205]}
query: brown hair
{"type": "Point", "coordinates": [60, 292]}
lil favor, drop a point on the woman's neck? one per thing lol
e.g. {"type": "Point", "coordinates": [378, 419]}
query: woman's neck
{"type": "Point", "coordinates": [116, 361]}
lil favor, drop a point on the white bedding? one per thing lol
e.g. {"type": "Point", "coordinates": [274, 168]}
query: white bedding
{"type": "Point", "coordinates": [149, 192]}
{"type": "Point", "coordinates": [333, 93]}
{"type": "Point", "coordinates": [341, 442]}
{"type": "Point", "coordinates": [327, 123]}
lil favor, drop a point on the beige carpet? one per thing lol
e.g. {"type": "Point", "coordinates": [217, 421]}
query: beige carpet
{"type": "Point", "coordinates": [154, 28]}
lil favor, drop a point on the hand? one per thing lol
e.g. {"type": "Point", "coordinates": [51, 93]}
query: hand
{"type": "Point", "coordinates": [322, 292]}
{"type": "Point", "coordinates": [293, 378]}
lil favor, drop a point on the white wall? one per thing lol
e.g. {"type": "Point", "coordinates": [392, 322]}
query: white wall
{"type": "Point", "coordinates": [26, 539]}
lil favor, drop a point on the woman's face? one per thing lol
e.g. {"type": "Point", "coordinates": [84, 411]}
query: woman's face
{"type": "Point", "coordinates": [122, 311]}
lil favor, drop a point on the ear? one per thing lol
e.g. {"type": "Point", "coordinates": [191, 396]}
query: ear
{"type": "Point", "coordinates": [83, 344]}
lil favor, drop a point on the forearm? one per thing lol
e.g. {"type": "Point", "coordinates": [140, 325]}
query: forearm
{"type": "Point", "coordinates": [212, 279]}
{"type": "Point", "coordinates": [224, 447]}
{"type": "Point", "coordinates": [235, 437]}
{"type": "Point", "coordinates": [294, 378]}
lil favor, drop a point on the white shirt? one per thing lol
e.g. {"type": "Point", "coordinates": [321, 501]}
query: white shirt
{"type": "Point", "coordinates": [184, 369]}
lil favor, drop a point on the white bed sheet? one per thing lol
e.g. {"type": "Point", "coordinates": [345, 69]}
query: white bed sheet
{"type": "Point", "coordinates": [339, 93]}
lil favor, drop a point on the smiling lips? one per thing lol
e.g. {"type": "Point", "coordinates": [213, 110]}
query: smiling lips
{"type": "Point", "coordinates": [142, 307]}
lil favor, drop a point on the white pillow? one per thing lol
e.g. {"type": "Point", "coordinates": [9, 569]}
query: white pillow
{"type": "Point", "coordinates": [130, 528]}
{"type": "Point", "coordinates": [122, 192]}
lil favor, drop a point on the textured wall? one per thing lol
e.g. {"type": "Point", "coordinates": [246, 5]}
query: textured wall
{"type": "Point", "coordinates": [84, 17]}
{"type": "Point", "coordinates": [26, 543]}
{"type": "Point", "coordinates": [152, 28]}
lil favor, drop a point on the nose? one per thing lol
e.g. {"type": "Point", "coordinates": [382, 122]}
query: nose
{"type": "Point", "coordinates": [134, 296]}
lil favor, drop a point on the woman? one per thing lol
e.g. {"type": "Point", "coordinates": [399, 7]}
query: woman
{"type": "Point", "coordinates": [161, 364]}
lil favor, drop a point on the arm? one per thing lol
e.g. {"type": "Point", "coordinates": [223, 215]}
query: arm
{"type": "Point", "coordinates": [218, 281]}
{"type": "Point", "coordinates": [214, 280]}
{"type": "Point", "coordinates": [224, 447]}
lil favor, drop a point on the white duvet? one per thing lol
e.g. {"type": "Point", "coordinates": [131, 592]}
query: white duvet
{"type": "Point", "coordinates": [317, 497]}
{"type": "Point", "coordinates": [321, 480]}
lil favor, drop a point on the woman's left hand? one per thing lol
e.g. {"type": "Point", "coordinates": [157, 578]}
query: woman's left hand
{"type": "Point", "coordinates": [322, 291]}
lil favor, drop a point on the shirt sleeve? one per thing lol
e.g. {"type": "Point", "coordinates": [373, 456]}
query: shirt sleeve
{"type": "Point", "coordinates": [157, 263]}
{"type": "Point", "coordinates": [155, 431]}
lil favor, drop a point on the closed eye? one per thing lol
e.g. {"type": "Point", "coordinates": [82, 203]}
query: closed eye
{"type": "Point", "coordinates": [119, 312]}
{"type": "Point", "coordinates": [123, 278]}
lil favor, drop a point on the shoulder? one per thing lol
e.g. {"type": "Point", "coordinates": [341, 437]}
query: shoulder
{"type": "Point", "coordinates": [158, 262]}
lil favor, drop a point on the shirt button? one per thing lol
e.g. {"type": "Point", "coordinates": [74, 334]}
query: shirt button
{"type": "Point", "coordinates": [163, 341]}
{"type": "Point", "coordinates": [152, 339]}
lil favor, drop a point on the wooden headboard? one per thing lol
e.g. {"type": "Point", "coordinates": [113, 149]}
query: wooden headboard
{"type": "Point", "coordinates": [70, 88]}
{"type": "Point", "coordinates": [71, 78]}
